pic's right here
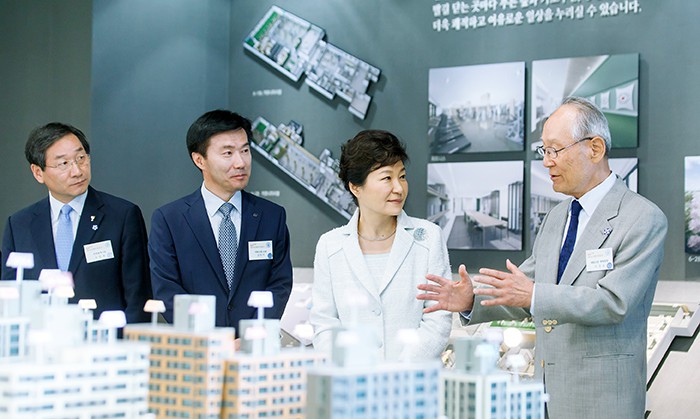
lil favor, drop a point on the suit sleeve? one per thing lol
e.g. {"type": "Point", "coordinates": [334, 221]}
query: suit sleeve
{"type": "Point", "coordinates": [434, 328]}
{"type": "Point", "coordinates": [8, 246]}
{"type": "Point", "coordinates": [134, 266]}
{"type": "Point", "coordinates": [165, 272]}
{"type": "Point", "coordinates": [280, 280]}
{"type": "Point", "coordinates": [637, 259]}
{"type": "Point", "coordinates": [324, 313]}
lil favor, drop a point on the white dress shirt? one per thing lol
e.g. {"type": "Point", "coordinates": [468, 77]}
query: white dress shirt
{"type": "Point", "coordinates": [77, 204]}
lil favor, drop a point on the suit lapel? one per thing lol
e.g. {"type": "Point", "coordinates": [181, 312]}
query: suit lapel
{"type": "Point", "coordinates": [198, 220]}
{"type": "Point", "coordinates": [399, 250]}
{"type": "Point", "coordinates": [251, 215]}
{"type": "Point", "coordinates": [550, 240]}
{"type": "Point", "coordinates": [42, 234]}
{"type": "Point", "coordinates": [597, 231]}
{"type": "Point", "coordinates": [88, 225]}
{"type": "Point", "coordinates": [355, 258]}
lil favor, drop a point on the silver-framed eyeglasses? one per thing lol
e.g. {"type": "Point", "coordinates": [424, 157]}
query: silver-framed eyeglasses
{"type": "Point", "coordinates": [552, 152]}
{"type": "Point", "coordinates": [81, 160]}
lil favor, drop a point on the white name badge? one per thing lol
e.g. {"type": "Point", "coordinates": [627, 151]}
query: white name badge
{"type": "Point", "coordinates": [95, 252]}
{"type": "Point", "coordinates": [261, 250]}
{"type": "Point", "coordinates": [599, 259]}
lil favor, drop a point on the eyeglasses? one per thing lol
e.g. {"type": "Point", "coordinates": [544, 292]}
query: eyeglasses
{"type": "Point", "coordinates": [81, 160]}
{"type": "Point", "coordinates": [552, 152]}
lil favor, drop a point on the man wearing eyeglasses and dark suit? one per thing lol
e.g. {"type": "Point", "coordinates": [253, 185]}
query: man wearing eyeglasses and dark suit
{"type": "Point", "coordinates": [589, 282]}
{"type": "Point", "coordinates": [99, 238]}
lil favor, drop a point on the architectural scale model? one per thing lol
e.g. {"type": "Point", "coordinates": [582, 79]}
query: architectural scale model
{"type": "Point", "coordinates": [477, 389]}
{"type": "Point", "coordinates": [187, 359]}
{"type": "Point", "coordinates": [57, 362]}
{"type": "Point", "coordinates": [282, 145]}
{"type": "Point", "coordinates": [294, 46]}
{"type": "Point", "coordinates": [357, 385]}
{"type": "Point", "coordinates": [665, 322]}
{"type": "Point", "coordinates": [263, 380]}
{"type": "Point", "coordinates": [195, 372]}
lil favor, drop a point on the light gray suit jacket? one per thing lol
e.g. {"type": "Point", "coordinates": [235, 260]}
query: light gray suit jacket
{"type": "Point", "coordinates": [591, 329]}
{"type": "Point", "coordinates": [340, 274]}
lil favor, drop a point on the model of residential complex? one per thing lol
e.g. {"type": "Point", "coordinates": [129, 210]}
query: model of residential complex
{"type": "Point", "coordinates": [357, 385]}
{"type": "Point", "coordinates": [477, 389]}
{"type": "Point", "coordinates": [294, 46]}
{"type": "Point", "coordinates": [57, 362]}
{"type": "Point", "coordinates": [282, 145]}
{"type": "Point", "coordinates": [196, 373]}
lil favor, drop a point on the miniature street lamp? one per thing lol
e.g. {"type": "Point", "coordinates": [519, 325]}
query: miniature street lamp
{"type": "Point", "coordinates": [154, 307]}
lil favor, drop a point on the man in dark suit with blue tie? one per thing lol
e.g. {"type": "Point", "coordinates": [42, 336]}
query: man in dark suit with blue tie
{"type": "Point", "coordinates": [221, 240]}
{"type": "Point", "coordinates": [99, 238]}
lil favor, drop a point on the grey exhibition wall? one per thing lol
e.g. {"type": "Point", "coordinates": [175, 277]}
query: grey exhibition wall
{"type": "Point", "coordinates": [397, 36]}
{"type": "Point", "coordinates": [157, 65]}
{"type": "Point", "coordinates": [44, 76]}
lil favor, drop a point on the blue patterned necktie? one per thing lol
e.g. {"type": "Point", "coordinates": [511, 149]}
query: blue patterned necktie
{"type": "Point", "coordinates": [64, 238]}
{"type": "Point", "coordinates": [228, 243]}
{"type": "Point", "coordinates": [570, 239]}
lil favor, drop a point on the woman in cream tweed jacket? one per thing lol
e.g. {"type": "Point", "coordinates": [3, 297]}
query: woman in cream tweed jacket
{"type": "Point", "coordinates": [379, 258]}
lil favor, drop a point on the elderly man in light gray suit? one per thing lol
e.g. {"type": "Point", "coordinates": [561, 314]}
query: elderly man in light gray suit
{"type": "Point", "coordinates": [590, 313]}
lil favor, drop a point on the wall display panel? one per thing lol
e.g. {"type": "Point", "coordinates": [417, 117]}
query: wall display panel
{"type": "Point", "coordinates": [294, 47]}
{"type": "Point", "coordinates": [478, 205]}
{"type": "Point", "coordinates": [477, 108]}
{"type": "Point", "coordinates": [609, 81]}
{"type": "Point", "coordinates": [692, 216]}
{"type": "Point", "coordinates": [283, 146]}
{"type": "Point", "coordinates": [543, 198]}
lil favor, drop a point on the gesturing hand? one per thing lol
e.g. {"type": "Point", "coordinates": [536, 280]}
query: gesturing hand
{"type": "Point", "coordinates": [455, 296]}
{"type": "Point", "coordinates": [512, 289]}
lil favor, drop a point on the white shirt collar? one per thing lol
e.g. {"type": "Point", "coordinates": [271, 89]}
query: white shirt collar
{"type": "Point", "coordinates": [591, 199]}
{"type": "Point", "coordinates": [212, 203]}
{"type": "Point", "coordinates": [77, 204]}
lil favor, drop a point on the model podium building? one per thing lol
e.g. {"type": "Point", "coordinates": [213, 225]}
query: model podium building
{"type": "Point", "coordinates": [56, 362]}
{"type": "Point", "coordinates": [477, 389]}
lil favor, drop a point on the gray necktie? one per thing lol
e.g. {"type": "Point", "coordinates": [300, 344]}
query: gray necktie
{"type": "Point", "coordinates": [228, 242]}
{"type": "Point", "coordinates": [64, 238]}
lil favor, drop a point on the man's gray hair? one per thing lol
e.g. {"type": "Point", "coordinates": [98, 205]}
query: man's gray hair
{"type": "Point", "coordinates": [590, 121]}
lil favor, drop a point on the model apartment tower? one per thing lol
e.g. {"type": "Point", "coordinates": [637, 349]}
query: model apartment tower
{"type": "Point", "coordinates": [263, 380]}
{"type": "Point", "coordinates": [187, 359]}
{"type": "Point", "coordinates": [477, 389]}
{"type": "Point", "coordinates": [357, 385]}
{"type": "Point", "coordinates": [56, 362]}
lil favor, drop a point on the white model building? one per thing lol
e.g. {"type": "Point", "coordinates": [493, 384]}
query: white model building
{"type": "Point", "coordinates": [357, 385]}
{"type": "Point", "coordinates": [49, 370]}
{"type": "Point", "coordinates": [187, 359]}
{"type": "Point", "coordinates": [263, 380]}
{"type": "Point", "coordinates": [477, 389]}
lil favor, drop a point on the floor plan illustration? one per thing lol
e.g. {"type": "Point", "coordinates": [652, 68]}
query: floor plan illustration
{"type": "Point", "coordinates": [294, 46]}
{"type": "Point", "coordinates": [282, 145]}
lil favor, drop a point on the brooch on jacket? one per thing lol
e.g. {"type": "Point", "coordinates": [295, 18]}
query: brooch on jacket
{"type": "Point", "coordinates": [419, 234]}
{"type": "Point", "coordinates": [606, 231]}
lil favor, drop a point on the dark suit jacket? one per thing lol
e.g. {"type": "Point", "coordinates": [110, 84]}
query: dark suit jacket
{"type": "Point", "coordinates": [185, 258]}
{"type": "Point", "coordinates": [120, 283]}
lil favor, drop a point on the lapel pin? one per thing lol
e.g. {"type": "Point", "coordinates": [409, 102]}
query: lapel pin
{"type": "Point", "coordinates": [94, 227]}
{"type": "Point", "coordinates": [92, 218]}
{"type": "Point", "coordinates": [606, 231]}
{"type": "Point", "coordinates": [419, 234]}
{"type": "Point", "coordinates": [255, 214]}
